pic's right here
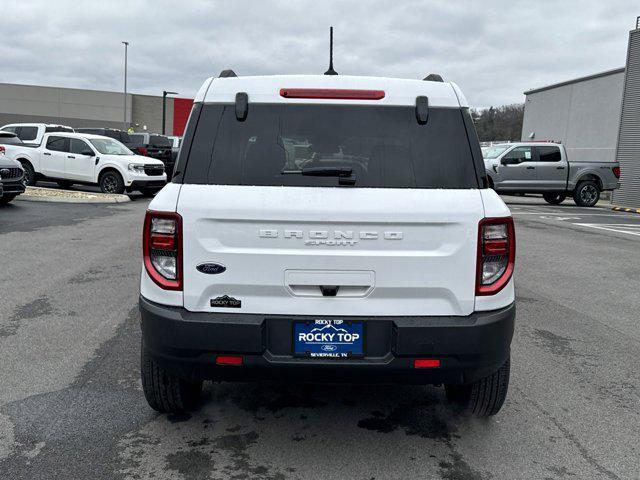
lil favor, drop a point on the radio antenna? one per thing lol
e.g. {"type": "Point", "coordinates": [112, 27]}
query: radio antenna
{"type": "Point", "coordinates": [331, 71]}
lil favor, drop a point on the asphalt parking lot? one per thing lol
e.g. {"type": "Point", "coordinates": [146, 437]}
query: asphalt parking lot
{"type": "Point", "coordinates": [71, 404]}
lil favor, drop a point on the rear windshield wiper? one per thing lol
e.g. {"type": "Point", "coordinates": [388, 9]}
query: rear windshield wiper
{"type": "Point", "coordinates": [345, 174]}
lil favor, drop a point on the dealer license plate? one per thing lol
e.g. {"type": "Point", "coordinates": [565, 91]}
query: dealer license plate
{"type": "Point", "coordinates": [328, 338]}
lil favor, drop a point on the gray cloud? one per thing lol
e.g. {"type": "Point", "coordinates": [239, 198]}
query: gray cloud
{"type": "Point", "coordinates": [493, 49]}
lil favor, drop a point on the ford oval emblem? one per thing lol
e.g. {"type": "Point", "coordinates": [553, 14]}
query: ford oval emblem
{"type": "Point", "coordinates": [211, 268]}
{"type": "Point", "coordinates": [329, 348]}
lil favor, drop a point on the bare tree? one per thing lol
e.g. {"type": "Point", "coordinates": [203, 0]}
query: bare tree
{"type": "Point", "coordinates": [499, 123]}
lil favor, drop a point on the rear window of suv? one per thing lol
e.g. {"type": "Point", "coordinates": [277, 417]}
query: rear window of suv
{"type": "Point", "coordinates": [382, 146]}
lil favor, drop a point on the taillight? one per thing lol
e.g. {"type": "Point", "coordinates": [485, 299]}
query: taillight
{"type": "Point", "coordinates": [142, 151]}
{"type": "Point", "coordinates": [162, 248]}
{"type": "Point", "coordinates": [496, 254]}
{"type": "Point", "coordinates": [616, 172]}
{"type": "Point", "coordinates": [332, 93]}
{"type": "Point", "coordinates": [2, 150]}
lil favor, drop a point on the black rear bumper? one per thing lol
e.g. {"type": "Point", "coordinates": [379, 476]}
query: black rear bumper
{"type": "Point", "coordinates": [188, 343]}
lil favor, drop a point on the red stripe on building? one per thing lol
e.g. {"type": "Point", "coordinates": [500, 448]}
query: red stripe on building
{"type": "Point", "coordinates": [181, 111]}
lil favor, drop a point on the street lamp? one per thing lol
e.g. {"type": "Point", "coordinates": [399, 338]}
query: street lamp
{"type": "Point", "coordinates": [164, 106]}
{"type": "Point", "coordinates": [124, 122]}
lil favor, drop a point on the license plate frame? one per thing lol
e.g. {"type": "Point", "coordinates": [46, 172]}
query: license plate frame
{"type": "Point", "coordinates": [334, 339]}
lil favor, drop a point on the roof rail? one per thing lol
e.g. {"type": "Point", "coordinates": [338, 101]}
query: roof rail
{"type": "Point", "coordinates": [433, 77]}
{"type": "Point", "coordinates": [227, 74]}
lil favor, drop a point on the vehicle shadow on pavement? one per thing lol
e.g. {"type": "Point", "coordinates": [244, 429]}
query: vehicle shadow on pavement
{"type": "Point", "coordinates": [240, 428]}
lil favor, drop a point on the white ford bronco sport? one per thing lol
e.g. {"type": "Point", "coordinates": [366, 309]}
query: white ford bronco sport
{"type": "Point", "coordinates": [329, 229]}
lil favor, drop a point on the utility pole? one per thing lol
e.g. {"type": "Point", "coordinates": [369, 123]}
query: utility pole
{"type": "Point", "coordinates": [124, 121]}
{"type": "Point", "coordinates": [164, 106]}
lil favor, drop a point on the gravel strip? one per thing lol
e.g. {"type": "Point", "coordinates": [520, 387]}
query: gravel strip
{"type": "Point", "coordinates": [41, 194]}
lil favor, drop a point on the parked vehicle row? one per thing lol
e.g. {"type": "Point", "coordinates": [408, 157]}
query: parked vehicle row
{"type": "Point", "coordinates": [11, 172]}
{"type": "Point", "coordinates": [544, 167]}
{"type": "Point", "coordinates": [70, 158]}
{"type": "Point", "coordinates": [148, 145]}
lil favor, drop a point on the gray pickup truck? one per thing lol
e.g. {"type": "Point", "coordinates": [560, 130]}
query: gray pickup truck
{"type": "Point", "coordinates": [543, 167]}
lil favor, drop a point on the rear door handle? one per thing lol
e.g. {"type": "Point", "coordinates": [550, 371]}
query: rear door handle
{"type": "Point", "coordinates": [70, 156]}
{"type": "Point", "coordinates": [46, 153]}
{"type": "Point", "coordinates": [531, 168]}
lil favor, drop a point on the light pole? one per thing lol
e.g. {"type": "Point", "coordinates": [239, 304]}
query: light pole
{"type": "Point", "coordinates": [164, 106]}
{"type": "Point", "coordinates": [124, 121]}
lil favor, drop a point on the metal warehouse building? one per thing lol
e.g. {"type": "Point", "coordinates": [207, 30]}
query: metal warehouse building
{"type": "Point", "coordinates": [91, 108]}
{"type": "Point", "coordinates": [596, 117]}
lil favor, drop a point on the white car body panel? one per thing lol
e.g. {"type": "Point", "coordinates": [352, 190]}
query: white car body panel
{"type": "Point", "coordinates": [425, 265]}
{"type": "Point", "coordinates": [266, 89]}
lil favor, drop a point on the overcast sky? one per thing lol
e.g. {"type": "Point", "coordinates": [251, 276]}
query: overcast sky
{"type": "Point", "coordinates": [494, 49]}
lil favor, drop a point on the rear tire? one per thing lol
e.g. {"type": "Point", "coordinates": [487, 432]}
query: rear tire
{"type": "Point", "coordinates": [111, 182]}
{"type": "Point", "coordinates": [484, 397]}
{"type": "Point", "coordinates": [586, 194]}
{"type": "Point", "coordinates": [165, 392]}
{"type": "Point", "coordinates": [554, 198]}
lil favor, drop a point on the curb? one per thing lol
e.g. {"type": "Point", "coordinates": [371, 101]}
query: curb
{"type": "Point", "coordinates": [96, 197]}
{"type": "Point", "coordinates": [627, 210]}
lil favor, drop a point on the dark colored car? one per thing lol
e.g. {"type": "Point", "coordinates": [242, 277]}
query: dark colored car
{"type": "Point", "coordinates": [120, 135]}
{"type": "Point", "coordinates": [155, 146]}
{"type": "Point", "coordinates": [11, 172]}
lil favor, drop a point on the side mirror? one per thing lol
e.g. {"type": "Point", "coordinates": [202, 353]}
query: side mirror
{"type": "Point", "coordinates": [88, 153]}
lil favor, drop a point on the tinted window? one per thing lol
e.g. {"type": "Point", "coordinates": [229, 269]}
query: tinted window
{"type": "Point", "coordinates": [93, 131]}
{"type": "Point", "coordinates": [78, 146]}
{"type": "Point", "coordinates": [58, 144]}
{"type": "Point", "coordinates": [522, 154]}
{"type": "Point", "coordinates": [159, 141]}
{"type": "Point", "coordinates": [10, 129]}
{"type": "Point", "coordinates": [27, 133]}
{"type": "Point", "coordinates": [383, 146]}
{"type": "Point", "coordinates": [137, 138]}
{"type": "Point", "coordinates": [549, 154]}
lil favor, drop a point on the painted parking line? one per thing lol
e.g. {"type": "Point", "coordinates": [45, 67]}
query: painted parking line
{"type": "Point", "coordinates": [627, 228]}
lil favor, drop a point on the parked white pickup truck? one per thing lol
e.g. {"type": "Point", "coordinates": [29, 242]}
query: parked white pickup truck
{"type": "Point", "coordinates": [32, 133]}
{"type": "Point", "coordinates": [543, 167]}
{"type": "Point", "coordinates": [69, 158]}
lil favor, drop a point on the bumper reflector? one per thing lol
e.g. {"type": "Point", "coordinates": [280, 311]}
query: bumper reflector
{"type": "Point", "coordinates": [229, 360]}
{"type": "Point", "coordinates": [426, 363]}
